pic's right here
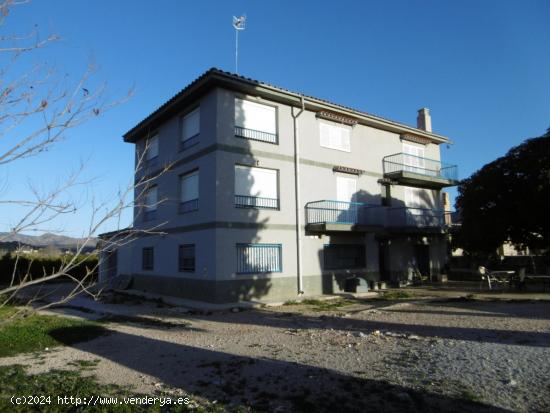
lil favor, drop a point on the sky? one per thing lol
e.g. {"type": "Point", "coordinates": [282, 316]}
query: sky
{"type": "Point", "coordinates": [483, 69]}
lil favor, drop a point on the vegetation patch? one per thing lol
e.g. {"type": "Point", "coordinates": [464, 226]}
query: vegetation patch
{"type": "Point", "coordinates": [395, 295]}
{"type": "Point", "coordinates": [327, 305]}
{"type": "Point", "coordinates": [36, 332]}
{"type": "Point", "coordinates": [15, 382]}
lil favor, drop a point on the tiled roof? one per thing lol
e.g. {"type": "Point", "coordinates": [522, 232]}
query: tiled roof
{"type": "Point", "coordinates": [214, 71]}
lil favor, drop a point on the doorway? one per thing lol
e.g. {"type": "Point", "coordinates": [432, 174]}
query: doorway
{"type": "Point", "coordinates": [383, 269]}
{"type": "Point", "coordinates": [422, 255]}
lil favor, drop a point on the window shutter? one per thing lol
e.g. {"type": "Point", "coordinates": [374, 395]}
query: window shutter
{"type": "Point", "coordinates": [256, 182]}
{"type": "Point", "coordinates": [191, 124]}
{"type": "Point", "coordinates": [151, 197]}
{"type": "Point", "coordinates": [335, 136]}
{"type": "Point", "coordinates": [190, 187]}
{"type": "Point", "coordinates": [152, 148]}
{"type": "Point", "coordinates": [255, 116]}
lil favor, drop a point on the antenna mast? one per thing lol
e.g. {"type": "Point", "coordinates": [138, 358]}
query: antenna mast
{"type": "Point", "coordinates": [238, 24]}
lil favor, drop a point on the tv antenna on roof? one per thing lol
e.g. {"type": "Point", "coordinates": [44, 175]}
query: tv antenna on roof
{"type": "Point", "coordinates": [238, 24]}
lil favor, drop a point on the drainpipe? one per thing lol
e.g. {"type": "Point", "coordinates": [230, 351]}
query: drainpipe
{"type": "Point", "coordinates": [297, 197]}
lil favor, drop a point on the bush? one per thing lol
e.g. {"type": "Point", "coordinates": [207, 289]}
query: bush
{"type": "Point", "coordinates": [39, 266]}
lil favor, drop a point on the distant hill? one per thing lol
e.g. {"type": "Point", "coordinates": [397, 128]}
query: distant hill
{"type": "Point", "coordinates": [8, 240]}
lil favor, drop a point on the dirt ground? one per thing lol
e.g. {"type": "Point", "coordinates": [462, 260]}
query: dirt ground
{"type": "Point", "coordinates": [448, 352]}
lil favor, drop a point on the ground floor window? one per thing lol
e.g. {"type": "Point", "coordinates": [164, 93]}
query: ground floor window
{"type": "Point", "coordinates": [147, 258]}
{"type": "Point", "coordinates": [187, 258]}
{"type": "Point", "coordinates": [259, 258]}
{"type": "Point", "coordinates": [344, 256]}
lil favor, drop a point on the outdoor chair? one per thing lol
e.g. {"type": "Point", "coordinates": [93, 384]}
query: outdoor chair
{"type": "Point", "coordinates": [493, 277]}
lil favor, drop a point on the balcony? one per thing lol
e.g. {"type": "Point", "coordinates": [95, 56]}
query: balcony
{"type": "Point", "coordinates": [333, 216]}
{"type": "Point", "coordinates": [329, 215]}
{"type": "Point", "coordinates": [406, 219]}
{"type": "Point", "coordinates": [417, 171]}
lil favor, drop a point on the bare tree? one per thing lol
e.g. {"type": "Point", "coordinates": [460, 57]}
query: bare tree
{"type": "Point", "coordinates": [37, 109]}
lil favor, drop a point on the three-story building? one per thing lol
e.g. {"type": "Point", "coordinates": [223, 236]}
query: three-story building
{"type": "Point", "coordinates": [271, 194]}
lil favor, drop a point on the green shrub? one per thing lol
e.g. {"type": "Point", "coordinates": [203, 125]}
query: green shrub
{"type": "Point", "coordinates": [39, 266]}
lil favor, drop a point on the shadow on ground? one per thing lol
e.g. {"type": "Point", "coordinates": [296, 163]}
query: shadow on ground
{"type": "Point", "coordinates": [267, 384]}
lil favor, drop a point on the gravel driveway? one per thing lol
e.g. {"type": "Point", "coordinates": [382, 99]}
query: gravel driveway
{"type": "Point", "coordinates": [372, 355]}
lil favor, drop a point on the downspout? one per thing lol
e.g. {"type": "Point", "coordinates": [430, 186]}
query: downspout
{"type": "Point", "coordinates": [297, 196]}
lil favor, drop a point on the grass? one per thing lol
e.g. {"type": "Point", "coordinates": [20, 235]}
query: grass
{"type": "Point", "coordinates": [322, 305]}
{"type": "Point", "coordinates": [15, 382]}
{"type": "Point", "coordinates": [36, 332]}
{"type": "Point", "coordinates": [395, 295]}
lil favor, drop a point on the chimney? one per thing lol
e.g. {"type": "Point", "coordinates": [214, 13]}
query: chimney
{"type": "Point", "coordinates": [424, 120]}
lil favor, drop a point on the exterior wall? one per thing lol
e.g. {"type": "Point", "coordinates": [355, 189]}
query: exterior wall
{"type": "Point", "coordinates": [217, 226]}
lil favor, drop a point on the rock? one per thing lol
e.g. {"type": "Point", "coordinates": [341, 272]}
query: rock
{"type": "Point", "coordinates": [413, 337]}
{"type": "Point", "coordinates": [512, 383]}
{"type": "Point", "coordinates": [376, 333]}
{"type": "Point", "coordinates": [235, 310]}
{"type": "Point", "coordinates": [361, 334]}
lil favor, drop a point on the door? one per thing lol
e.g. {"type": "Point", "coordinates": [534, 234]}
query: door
{"type": "Point", "coordinates": [383, 261]}
{"type": "Point", "coordinates": [422, 255]}
{"type": "Point", "coordinates": [346, 188]}
{"type": "Point", "coordinates": [112, 263]}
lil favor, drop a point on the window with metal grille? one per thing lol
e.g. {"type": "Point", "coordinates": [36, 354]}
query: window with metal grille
{"type": "Point", "coordinates": [255, 121]}
{"type": "Point", "coordinates": [259, 258]}
{"type": "Point", "coordinates": [187, 258]}
{"type": "Point", "coordinates": [256, 187]}
{"type": "Point", "coordinates": [189, 192]}
{"type": "Point", "coordinates": [148, 258]}
{"type": "Point", "coordinates": [344, 256]}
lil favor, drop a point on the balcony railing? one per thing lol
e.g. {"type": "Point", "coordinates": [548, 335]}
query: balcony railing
{"type": "Point", "coordinates": [403, 162]}
{"type": "Point", "coordinates": [358, 213]}
{"type": "Point", "coordinates": [339, 212]}
{"type": "Point", "coordinates": [189, 206]}
{"type": "Point", "coordinates": [244, 201]}
{"type": "Point", "coordinates": [255, 135]}
{"type": "Point", "coordinates": [415, 217]}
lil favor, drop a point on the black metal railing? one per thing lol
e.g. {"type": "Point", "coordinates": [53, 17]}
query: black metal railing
{"type": "Point", "coordinates": [245, 201]}
{"type": "Point", "coordinates": [358, 213]}
{"type": "Point", "coordinates": [189, 206]}
{"type": "Point", "coordinates": [188, 143]}
{"type": "Point", "coordinates": [256, 135]}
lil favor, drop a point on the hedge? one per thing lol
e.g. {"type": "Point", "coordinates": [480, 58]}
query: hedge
{"type": "Point", "coordinates": [39, 266]}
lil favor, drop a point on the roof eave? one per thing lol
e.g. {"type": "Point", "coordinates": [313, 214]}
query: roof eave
{"type": "Point", "coordinates": [216, 77]}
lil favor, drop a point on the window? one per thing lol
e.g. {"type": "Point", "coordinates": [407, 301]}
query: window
{"type": "Point", "coordinates": [190, 129]}
{"type": "Point", "coordinates": [255, 121]}
{"type": "Point", "coordinates": [187, 258]}
{"type": "Point", "coordinates": [416, 198]}
{"type": "Point", "coordinates": [256, 187]}
{"type": "Point", "coordinates": [152, 150]}
{"type": "Point", "coordinates": [150, 203]}
{"type": "Point", "coordinates": [344, 256]}
{"type": "Point", "coordinates": [335, 136]}
{"type": "Point", "coordinates": [258, 258]}
{"type": "Point", "coordinates": [413, 159]}
{"type": "Point", "coordinates": [148, 258]}
{"type": "Point", "coordinates": [189, 200]}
